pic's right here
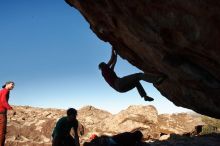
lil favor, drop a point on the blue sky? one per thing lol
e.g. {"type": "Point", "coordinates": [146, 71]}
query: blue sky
{"type": "Point", "coordinates": [49, 51]}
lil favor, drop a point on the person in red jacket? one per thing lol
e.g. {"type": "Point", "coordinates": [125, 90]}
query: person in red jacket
{"type": "Point", "coordinates": [4, 106]}
{"type": "Point", "coordinates": [129, 82]}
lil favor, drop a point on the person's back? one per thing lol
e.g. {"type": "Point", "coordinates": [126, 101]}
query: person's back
{"type": "Point", "coordinates": [108, 74]}
{"type": "Point", "coordinates": [63, 127]}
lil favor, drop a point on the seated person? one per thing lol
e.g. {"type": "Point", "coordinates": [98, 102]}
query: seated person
{"type": "Point", "coordinates": [61, 133]}
{"type": "Point", "coordinates": [121, 139]}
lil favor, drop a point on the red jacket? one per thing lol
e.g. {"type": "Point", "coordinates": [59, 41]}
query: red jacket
{"type": "Point", "coordinates": [4, 96]}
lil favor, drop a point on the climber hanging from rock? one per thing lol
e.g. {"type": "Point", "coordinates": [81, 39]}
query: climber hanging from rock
{"type": "Point", "coordinates": [129, 82]}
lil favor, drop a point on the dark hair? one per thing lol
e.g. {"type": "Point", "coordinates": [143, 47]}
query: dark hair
{"type": "Point", "coordinates": [71, 111]}
{"type": "Point", "coordinates": [101, 65]}
{"type": "Point", "coordinates": [9, 82]}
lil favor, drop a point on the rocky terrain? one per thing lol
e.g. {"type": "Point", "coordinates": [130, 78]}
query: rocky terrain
{"type": "Point", "coordinates": [31, 126]}
{"type": "Point", "coordinates": [178, 38]}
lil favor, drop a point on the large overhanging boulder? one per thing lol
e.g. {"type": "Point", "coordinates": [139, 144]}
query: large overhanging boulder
{"type": "Point", "coordinates": [179, 38]}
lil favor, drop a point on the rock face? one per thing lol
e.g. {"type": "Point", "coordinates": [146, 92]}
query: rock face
{"type": "Point", "coordinates": [178, 38]}
{"type": "Point", "coordinates": [30, 126]}
{"type": "Point", "coordinates": [146, 119]}
{"type": "Point", "coordinates": [134, 117]}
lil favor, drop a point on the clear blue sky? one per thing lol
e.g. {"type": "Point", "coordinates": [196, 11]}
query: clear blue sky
{"type": "Point", "coordinates": [49, 51]}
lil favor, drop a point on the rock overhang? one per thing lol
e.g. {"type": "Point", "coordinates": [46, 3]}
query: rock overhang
{"type": "Point", "coordinates": [177, 38]}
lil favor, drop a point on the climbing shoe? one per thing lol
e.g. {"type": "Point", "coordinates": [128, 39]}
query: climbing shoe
{"type": "Point", "coordinates": [147, 98]}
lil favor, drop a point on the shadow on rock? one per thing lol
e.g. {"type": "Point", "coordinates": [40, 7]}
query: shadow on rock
{"type": "Point", "coordinates": [174, 140]}
{"type": "Point", "coordinates": [179, 140]}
